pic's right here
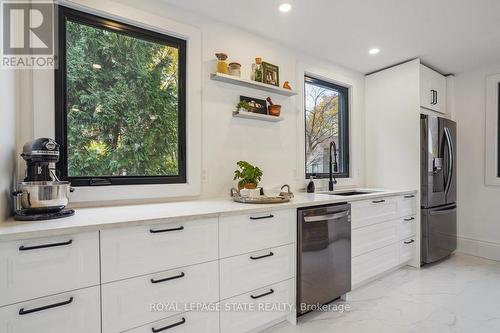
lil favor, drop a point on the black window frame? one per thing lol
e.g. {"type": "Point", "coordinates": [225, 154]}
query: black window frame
{"type": "Point", "coordinates": [65, 14]}
{"type": "Point", "coordinates": [343, 129]}
{"type": "Point", "coordinates": [498, 130]}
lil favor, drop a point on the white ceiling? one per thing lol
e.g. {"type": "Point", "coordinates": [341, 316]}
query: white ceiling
{"type": "Point", "coordinates": [449, 35]}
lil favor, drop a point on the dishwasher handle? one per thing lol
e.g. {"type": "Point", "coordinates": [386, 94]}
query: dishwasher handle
{"type": "Point", "coordinates": [327, 217]}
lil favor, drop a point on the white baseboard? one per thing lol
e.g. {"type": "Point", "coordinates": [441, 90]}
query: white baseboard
{"type": "Point", "coordinates": [479, 248]}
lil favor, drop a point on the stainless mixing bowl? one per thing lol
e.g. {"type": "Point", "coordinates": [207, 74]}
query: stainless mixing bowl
{"type": "Point", "coordinates": [43, 196]}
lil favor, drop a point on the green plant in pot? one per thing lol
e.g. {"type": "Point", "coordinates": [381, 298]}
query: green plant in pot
{"type": "Point", "coordinates": [248, 176]}
{"type": "Point", "coordinates": [243, 105]}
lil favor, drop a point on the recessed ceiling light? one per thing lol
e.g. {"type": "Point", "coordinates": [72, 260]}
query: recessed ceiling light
{"type": "Point", "coordinates": [96, 66]}
{"type": "Point", "coordinates": [374, 51]}
{"type": "Point", "coordinates": [285, 7]}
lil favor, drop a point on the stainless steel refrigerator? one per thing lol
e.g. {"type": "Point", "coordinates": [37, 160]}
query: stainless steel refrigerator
{"type": "Point", "coordinates": [438, 188]}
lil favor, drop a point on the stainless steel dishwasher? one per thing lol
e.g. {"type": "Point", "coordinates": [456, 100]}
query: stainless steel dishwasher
{"type": "Point", "coordinates": [324, 255]}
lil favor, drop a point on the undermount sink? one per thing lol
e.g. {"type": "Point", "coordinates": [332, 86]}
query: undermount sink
{"type": "Point", "coordinates": [349, 193]}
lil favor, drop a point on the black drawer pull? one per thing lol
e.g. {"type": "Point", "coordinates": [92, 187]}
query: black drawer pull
{"type": "Point", "coordinates": [378, 201]}
{"type": "Point", "coordinates": [271, 291]}
{"type": "Point", "coordinates": [270, 216]}
{"type": "Point", "coordinates": [409, 196]}
{"type": "Point", "coordinates": [155, 330]}
{"type": "Point", "coordinates": [27, 248]}
{"type": "Point", "coordinates": [409, 242]}
{"type": "Point", "coordinates": [166, 230]}
{"type": "Point", "coordinates": [409, 219]}
{"type": "Point", "coordinates": [264, 256]}
{"type": "Point", "coordinates": [169, 278]}
{"type": "Point", "coordinates": [55, 305]}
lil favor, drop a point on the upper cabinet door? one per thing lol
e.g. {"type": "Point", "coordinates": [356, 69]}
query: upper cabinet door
{"type": "Point", "coordinates": [432, 90]}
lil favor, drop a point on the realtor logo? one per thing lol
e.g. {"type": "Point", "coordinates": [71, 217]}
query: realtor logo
{"type": "Point", "coordinates": [28, 34]}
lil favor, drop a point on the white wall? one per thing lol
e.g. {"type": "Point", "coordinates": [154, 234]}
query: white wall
{"type": "Point", "coordinates": [478, 204]}
{"type": "Point", "coordinates": [275, 147]}
{"type": "Point", "coordinates": [8, 83]}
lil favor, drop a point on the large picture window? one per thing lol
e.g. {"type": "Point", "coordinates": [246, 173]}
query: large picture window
{"type": "Point", "coordinates": [326, 120]}
{"type": "Point", "coordinates": [120, 103]}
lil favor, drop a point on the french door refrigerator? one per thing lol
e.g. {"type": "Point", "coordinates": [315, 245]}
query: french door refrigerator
{"type": "Point", "coordinates": [438, 188]}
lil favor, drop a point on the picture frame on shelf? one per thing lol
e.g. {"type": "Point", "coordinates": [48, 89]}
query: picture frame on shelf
{"type": "Point", "coordinates": [256, 105]}
{"type": "Point", "coordinates": [270, 74]}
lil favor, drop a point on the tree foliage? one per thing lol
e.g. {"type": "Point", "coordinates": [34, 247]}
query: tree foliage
{"type": "Point", "coordinates": [122, 104]}
{"type": "Point", "coordinates": [322, 121]}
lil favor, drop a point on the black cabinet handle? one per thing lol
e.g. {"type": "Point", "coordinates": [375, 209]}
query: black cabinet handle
{"type": "Point", "coordinates": [22, 311]}
{"type": "Point", "coordinates": [270, 216]}
{"type": "Point", "coordinates": [166, 230]}
{"type": "Point", "coordinates": [436, 100]}
{"type": "Point", "coordinates": [264, 256]}
{"type": "Point", "coordinates": [409, 242]}
{"type": "Point", "coordinates": [378, 201]}
{"type": "Point", "coordinates": [155, 330]}
{"type": "Point", "coordinates": [271, 291]}
{"type": "Point", "coordinates": [169, 278]}
{"type": "Point", "coordinates": [43, 246]}
{"type": "Point", "coordinates": [409, 219]}
{"type": "Point", "coordinates": [409, 196]}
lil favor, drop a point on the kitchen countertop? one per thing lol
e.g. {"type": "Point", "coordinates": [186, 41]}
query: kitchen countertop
{"type": "Point", "coordinates": [92, 219]}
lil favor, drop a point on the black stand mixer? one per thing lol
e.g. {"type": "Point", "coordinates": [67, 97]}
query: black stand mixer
{"type": "Point", "coordinates": [41, 196]}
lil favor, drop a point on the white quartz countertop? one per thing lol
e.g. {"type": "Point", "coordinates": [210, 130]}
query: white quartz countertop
{"type": "Point", "coordinates": [89, 219]}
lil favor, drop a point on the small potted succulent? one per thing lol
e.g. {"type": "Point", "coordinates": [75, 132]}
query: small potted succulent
{"type": "Point", "coordinates": [248, 176]}
{"type": "Point", "coordinates": [243, 106]}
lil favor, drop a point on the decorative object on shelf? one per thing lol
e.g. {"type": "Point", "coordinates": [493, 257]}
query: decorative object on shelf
{"type": "Point", "coordinates": [286, 85]}
{"type": "Point", "coordinates": [273, 109]}
{"type": "Point", "coordinates": [234, 69]}
{"type": "Point", "coordinates": [248, 176]}
{"type": "Point", "coordinates": [221, 63]}
{"type": "Point", "coordinates": [270, 74]}
{"type": "Point", "coordinates": [257, 70]}
{"type": "Point", "coordinates": [284, 196]}
{"type": "Point", "coordinates": [251, 104]}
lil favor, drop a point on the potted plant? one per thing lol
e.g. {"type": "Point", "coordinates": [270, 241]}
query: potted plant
{"type": "Point", "coordinates": [248, 176]}
{"type": "Point", "coordinates": [243, 105]}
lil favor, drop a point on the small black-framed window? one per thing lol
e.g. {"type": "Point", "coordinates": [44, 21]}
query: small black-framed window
{"type": "Point", "coordinates": [326, 120]}
{"type": "Point", "coordinates": [120, 93]}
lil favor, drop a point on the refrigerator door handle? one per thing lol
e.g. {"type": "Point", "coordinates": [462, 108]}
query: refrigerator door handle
{"type": "Point", "coordinates": [451, 158]}
{"type": "Point", "coordinates": [444, 210]}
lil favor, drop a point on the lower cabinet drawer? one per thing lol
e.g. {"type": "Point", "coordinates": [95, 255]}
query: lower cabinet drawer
{"type": "Point", "coordinates": [253, 270]}
{"type": "Point", "coordinates": [374, 237]}
{"type": "Point", "coordinates": [134, 302]}
{"type": "Point", "coordinates": [407, 250]}
{"type": "Point", "coordinates": [375, 262]}
{"type": "Point", "coordinates": [259, 308]}
{"type": "Point", "coordinates": [40, 267]}
{"type": "Point", "coordinates": [188, 322]}
{"type": "Point", "coordinates": [367, 212]}
{"type": "Point", "coordinates": [407, 227]}
{"type": "Point", "coordinates": [76, 312]}
{"type": "Point", "coordinates": [408, 205]}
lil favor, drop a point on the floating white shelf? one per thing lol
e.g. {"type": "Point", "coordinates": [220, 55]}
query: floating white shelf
{"type": "Point", "coordinates": [251, 84]}
{"type": "Point", "coordinates": [257, 116]}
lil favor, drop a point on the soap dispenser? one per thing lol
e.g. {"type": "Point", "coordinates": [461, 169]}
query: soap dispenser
{"type": "Point", "coordinates": [310, 186]}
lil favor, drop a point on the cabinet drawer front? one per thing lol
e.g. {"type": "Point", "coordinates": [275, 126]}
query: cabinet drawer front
{"type": "Point", "coordinates": [128, 252]}
{"type": "Point", "coordinates": [370, 264]}
{"type": "Point", "coordinates": [373, 211]}
{"type": "Point", "coordinates": [45, 266]}
{"type": "Point", "coordinates": [407, 205]}
{"type": "Point", "coordinates": [188, 322]}
{"type": "Point", "coordinates": [274, 303]}
{"type": "Point", "coordinates": [246, 233]}
{"type": "Point", "coordinates": [407, 226]}
{"type": "Point", "coordinates": [242, 273]}
{"type": "Point", "coordinates": [138, 301]}
{"type": "Point", "coordinates": [374, 237]}
{"type": "Point", "coordinates": [407, 250]}
{"type": "Point", "coordinates": [76, 312]}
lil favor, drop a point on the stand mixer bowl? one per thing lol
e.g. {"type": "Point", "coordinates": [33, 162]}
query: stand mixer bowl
{"type": "Point", "coordinates": [43, 196]}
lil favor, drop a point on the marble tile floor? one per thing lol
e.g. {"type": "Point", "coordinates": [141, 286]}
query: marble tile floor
{"type": "Point", "coordinates": [459, 294]}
